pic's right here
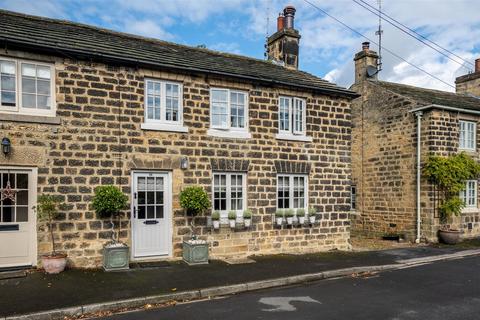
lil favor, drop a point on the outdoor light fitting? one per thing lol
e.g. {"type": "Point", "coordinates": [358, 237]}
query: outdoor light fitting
{"type": "Point", "coordinates": [6, 146]}
{"type": "Point", "coordinates": [184, 163]}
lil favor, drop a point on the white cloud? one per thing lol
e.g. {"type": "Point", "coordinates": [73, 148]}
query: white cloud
{"type": "Point", "coordinates": [148, 28]}
{"type": "Point", "coordinates": [231, 47]}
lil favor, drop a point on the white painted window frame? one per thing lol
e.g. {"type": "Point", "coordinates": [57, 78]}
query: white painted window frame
{"type": "Point", "coordinates": [470, 185]}
{"type": "Point", "coordinates": [292, 133]}
{"type": "Point", "coordinates": [162, 124]}
{"type": "Point", "coordinates": [291, 177]}
{"type": "Point", "coordinates": [224, 213]}
{"type": "Point", "coordinates": [464, 130]}
{"type": "Point", "coordinates": [228, 131]}
{"type": "Point", "coordinates": [19, 109]}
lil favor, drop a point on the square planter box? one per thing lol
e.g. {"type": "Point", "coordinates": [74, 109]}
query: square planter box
{"type": "Point", "coordinates": [195, 253]}
{"type": "Point", "coordinates": [115, 258]}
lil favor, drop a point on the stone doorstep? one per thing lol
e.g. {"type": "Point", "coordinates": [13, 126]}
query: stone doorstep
{"type": "Point", "coordinates": [207, 293]}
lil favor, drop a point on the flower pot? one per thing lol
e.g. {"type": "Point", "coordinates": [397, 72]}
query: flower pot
{"type": "Point", "coordinates": [289, 220]}
{"type": "Point", "coordinates": [195, 252]}
{"type": "Point", "coordinates": [54, 264]}
{"type": "Point", "coordinates": [311, 219]}
{"type": "Point", "coordinates": [247, 222]}
{"type": "Point", "coordinates": [301, 219]}
{"type": "Point", "coordinates": [116, 257]}
{"type": "Point", "coordinates": [232, 223]}
{"type": "Point", "coordinates": [279, 221]}
{"type": "Point", "coordinates": [216, 224]}
{"type": "Point", "coordinates": [449, 236]}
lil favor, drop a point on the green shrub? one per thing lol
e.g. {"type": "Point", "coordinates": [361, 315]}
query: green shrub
{"type": "Point", "coordinates": [312, 211]}
{"type": "Point", "coordinates": [300, 212]}
{"type": "Point", "coordinates": [109, 200]}
{"type": "Point", "coordinates": [215, 215]}
{"type": "Point", "coordinates": [232, 215]}
{"type": "Point", "coordinates": [47, 211]}
{"type": "Point", "coordinates": [280, 213]}
{"type": "Point", "coordinates": [289, 213]}
{"type": "Point", "coordinates": [247, 214]}
{"type": "Point", "coordinates": [194, 200]}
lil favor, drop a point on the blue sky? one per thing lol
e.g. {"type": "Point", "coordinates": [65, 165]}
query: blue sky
{"type": "Point", "coordinates": [327, 48]}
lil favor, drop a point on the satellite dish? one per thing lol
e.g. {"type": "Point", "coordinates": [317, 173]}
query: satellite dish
{"type": "Point", "coordinates": [371, 71]}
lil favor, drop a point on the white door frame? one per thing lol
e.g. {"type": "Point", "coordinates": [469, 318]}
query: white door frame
{"type": "Point", "coordinates": [167, 211]}
{"type": "Point", "coordinates": [32, 217]}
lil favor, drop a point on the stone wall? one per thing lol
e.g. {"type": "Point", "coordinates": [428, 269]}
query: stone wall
{"type": "Point", "coordinates": [469, 83]}
{"type": "Point", "coordinates": [99, 141]}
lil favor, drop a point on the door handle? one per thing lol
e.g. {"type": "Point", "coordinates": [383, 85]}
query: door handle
{"type": "Point", "coordinates": [150, 221]}
{"type": "Point", "coordinates": [134, 212]}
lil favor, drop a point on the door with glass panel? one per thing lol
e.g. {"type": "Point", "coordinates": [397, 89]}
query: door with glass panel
{"type": "Point", "coordinates": [17, 218]}
{"type": "Point", "coordinates": [151, 214]}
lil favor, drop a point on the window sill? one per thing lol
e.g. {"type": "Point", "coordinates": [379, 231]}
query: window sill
{"type": "Point", "coordinates": [467, 150]}
{"type": "Point", "coordinates": [292, 137]}
{"type": "Point", "coordinates": [164, 127]}
{"type": "Point", "coordinates": [30, 118]}
{"type": "Point", "coordinates": [470, 210]}
{"type": "Point", "coordinates": [229, 134]}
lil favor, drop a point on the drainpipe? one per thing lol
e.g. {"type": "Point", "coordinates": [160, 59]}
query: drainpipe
{"type": "Point", "coordinates": [418, 114]}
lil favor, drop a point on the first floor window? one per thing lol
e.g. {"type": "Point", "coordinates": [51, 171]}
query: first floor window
{"type": "Point", "coordinates": [468, 132]}
{"type": "Point", "coordinates": [228, 109]}
{"type": "Point", "coordinates": [353, 197]}
{"type": "Point", "coordinates": [469, 195]}
{"type": "Point", "coordinates": [163, 102]}
{"type": "Point", "coordinates": [26, 87]}
{"type": "Point", "coordinates": [292, 116]}
{"type": "Point", "coordinates": [291, 191]}
{"type": "Point", "coordinates": [229, 192]}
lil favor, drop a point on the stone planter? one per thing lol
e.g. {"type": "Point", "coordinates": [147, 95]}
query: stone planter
{"type": "Point", "coordinates": [247, 222]}
{"type": "Point", "coordinates": [116, 257]}
{"type": "Point", "coordinates": [449, 236]}
{"type": "Point", "coordinates": [54, 264]}
{"type": "Point", "coordinates": [312, 219]}
{"type": "Point", "coordinates": [301, 219]}
{"type": "Point", "coordinates": [289, 221]}
{"type": "Point", "coordinates": [216, 224]}
{"type": "Point", "coordinates": [232, 223]}
{"type": "Point", "coordinates": [279, 221]}
{"type": "Point", "coordinates": [195, 252]}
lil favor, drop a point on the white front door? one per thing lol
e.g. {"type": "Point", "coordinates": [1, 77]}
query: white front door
{"type": "Point", "coordinates": [151, 214]}
{"type": "Point", "coordinates": [18, 237]}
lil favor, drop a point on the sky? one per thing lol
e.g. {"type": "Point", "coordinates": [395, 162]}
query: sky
{"type": "Point", "coordinates": [326, 47]}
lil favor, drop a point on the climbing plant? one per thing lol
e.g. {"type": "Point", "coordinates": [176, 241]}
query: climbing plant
{"type": "Point", "coordinates": [449, 175]}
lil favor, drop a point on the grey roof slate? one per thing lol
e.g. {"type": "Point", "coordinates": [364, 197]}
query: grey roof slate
{"type": "Point", "coordinates": [429, 96]}
{"type": "Point", "coordinates": [83, 41]}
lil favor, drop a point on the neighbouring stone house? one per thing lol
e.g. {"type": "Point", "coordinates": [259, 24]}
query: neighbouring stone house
{"type": "Point", "coordinates": [384, 151]}
{"type": "Point", "coordinates": [84, 107]}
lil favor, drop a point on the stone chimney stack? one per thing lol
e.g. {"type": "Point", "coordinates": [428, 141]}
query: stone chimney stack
{"type": "Point", "coordinates": [469, 83]}
{"type": "Point", "coordinates": [366, 64]}
{"type": "Point", "coordinates": [283, 45]}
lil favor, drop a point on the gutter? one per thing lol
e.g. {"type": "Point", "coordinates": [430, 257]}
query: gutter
{"type": "Point", "coordinates": [419, 114]}
{"type": "Point", "coordinates": [114, 58]}
{"type": "Point", "coordinates": [439, 106]}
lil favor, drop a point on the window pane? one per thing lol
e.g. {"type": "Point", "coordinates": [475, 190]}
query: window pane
{"type": "Point", "coordinates": [43, 72]}
{"type": "Point", "coordinates": [28, 100]}
{"type": "Point", "coordinates": [141, 183]}
{"type": "Point", "coordinates": [43, 102]}
{"type": "Point", "coordinates": [8, 83]}
{"type": "Point", "coordinates": [150, 197]}
{"type": "Point", "coordinates": [7, 67]}
{"type": "Point", "coordinates": [28, 70]}
{"type": "Point", "coordinates": [8, 98]}
{"type": "Point", "coordinates": [219, 95]}
{"type": "Point", "coordinates": [159, 212]}
{"type": "Point", "coordinates": [22, 214]}
{"type": "Point", "coordinates": [284, 115]}
{"type": "Point", "coordinates": [28, 85]}
{"type": "Point", "coordinates": [43, 87]}
{"type": "Point", "coordinates": [150, 212]}
{"type": "Point", "coordinates": [237, 109]}
{"type": "Point", "coordinates": [8, 213]}
{"type": "Point", "coordinates": [22, 197]}
{"type": "Point", "coordinates": [141, 212]}
{"type": "Point", "coordinates": [22, 181]}
{"type": "Point", "coordinates": [141, 197]}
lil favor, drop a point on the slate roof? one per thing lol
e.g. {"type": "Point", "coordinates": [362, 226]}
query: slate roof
{"type": "Point", "coordinates": [429, 96]}
{"type": "Point", "coordinates": [83, 41]}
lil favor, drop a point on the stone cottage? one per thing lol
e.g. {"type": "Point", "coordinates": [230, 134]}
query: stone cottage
{"type": "Point", "coordinates": [83, 107]}
{"type": "Point", "coordinates": [395, 128]}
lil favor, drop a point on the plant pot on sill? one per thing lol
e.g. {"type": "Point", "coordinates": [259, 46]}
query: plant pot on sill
{"type": "Point", "coordinates": [247, 222]}
{"type": "Point", "coordinates": [312, 219]}
{"type": "Point", "coordinates": [54, 264]}
{"type": "Point", "coordinates": [289, 221]}
{"type": "Point", "coordinates": [301, 219]}
{"type": "Point", "coordinates": [195, 252]}
{"type": "Point", "coordinates": [279, 221]}
{"type": "Point", "coordinates": [449, 236]}
{"type": "Point", "coordinates": [232, 223]}
{"type": "Point", "coordinates": [115, 257]}
{"type": "Point", "coordinates": [216, 224]}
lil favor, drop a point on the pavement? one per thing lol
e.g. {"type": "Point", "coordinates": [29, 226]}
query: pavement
{"type": "Point", "coordinates": [444, 290]}
{"type": "Point", "coordinates": [80, 292]}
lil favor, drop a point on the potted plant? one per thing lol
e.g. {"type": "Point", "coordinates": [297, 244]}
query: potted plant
{"type": "Point", "coordinates": [216, 219]}
{"type": "Point", "coordinates": [194, 200]}
{"type": "Point", "coordinates": [247, 218]}
{"type": "Point", "coordinates": [108, 202]}
{"type": "Point", "coordinates": [47, 211]}
{"type": "Point", "coordinates": [279, 214]}
{"type": "Point", "coordinates": [289, 213]}
{"type": "Point", "coordinates": [449, 176]}
{"type": "Point", "coordinates": [232, 218]}
{"type": "Point", "coordinates": [301, 215]}
{"type": "Point", "coordinates": [312, 215]}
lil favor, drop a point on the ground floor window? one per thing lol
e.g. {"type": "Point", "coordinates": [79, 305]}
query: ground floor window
{"type": "Point", "coordinates": [229, 193]}
{"type": "Point", "coordinates": [292, 191]}
{"type": "Point", "coordinates": [14, 197]}
{"type": "Point", "coordinates": [469, 195]}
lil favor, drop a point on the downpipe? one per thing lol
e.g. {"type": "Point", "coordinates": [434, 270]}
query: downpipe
{"type": "Point", "coordinates": [418, 114]}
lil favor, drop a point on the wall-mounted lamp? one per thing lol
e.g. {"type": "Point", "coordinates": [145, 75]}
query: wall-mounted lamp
{"type": "Point", "coordinates": [6, 145]}
{"type": "Point", "coordinates": [184, 163]}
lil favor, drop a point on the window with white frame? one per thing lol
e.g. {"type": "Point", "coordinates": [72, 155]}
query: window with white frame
{"type": "Point", "coordinates": [468, 132]}
{"type": "Point", "coordinates": [469, 195]}
{"type": "Point", "coordinates": [229, 192]}
{"type": "Point", "coordinates": [292, 191]}
{"type": "Point", "coordinates": [229, 110]}
{"type": "Point", "coordinates": [163, 105]}
{"type": "Point", "coordinates": [26, 87]}
{"type": "Point", "coordinates": [292, 116]}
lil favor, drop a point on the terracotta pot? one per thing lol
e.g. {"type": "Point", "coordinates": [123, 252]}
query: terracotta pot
{"type": "Point", "coordinates": [449, 236]}
{"type": "Point", "coordinates": [54, 264]}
